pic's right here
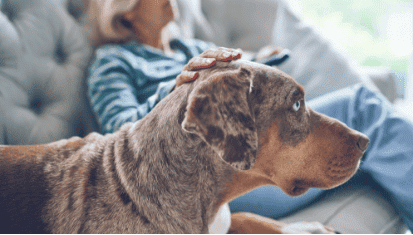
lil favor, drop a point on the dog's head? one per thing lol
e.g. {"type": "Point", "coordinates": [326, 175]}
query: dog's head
{"type": "Point", "coordinates": [255, 118]}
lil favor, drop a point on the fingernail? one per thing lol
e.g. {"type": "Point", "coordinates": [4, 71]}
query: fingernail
{"type": "Point", "coordinates": [227, 54]}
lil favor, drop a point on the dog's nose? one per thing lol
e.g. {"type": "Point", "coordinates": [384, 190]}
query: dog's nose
{"type": "Point", "coordinates": [363, 142]}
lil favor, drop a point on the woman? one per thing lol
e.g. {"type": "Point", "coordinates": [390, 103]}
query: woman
{"type": "Point", "coordinates": [127, 80]}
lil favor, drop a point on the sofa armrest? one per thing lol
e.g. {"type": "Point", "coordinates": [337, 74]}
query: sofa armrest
{"type": "Point", "coordinates": [353, 208]}
{"type": "Point", "coordinates": [385, 80]}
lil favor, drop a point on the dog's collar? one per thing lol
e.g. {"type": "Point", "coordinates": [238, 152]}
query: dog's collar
{"type": "Point", "coordinates": [222, 221]}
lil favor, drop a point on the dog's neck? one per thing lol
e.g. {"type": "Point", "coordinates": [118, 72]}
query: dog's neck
{"type": "Point", "coordinates": [181, 173]}
{"type": "Point", "coordinates": [243, 182]}
{"type": "Point", "coordinates": [183, 164]}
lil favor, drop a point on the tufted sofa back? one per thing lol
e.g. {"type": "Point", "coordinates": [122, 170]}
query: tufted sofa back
{"type": "Point", "coordinates": [43, 56]}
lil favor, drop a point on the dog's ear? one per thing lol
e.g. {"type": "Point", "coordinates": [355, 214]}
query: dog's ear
{"type": "Point", "coordinates": [218, 111]}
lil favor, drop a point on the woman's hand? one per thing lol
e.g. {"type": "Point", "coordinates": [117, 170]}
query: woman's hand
{"type": "Point", "coordinates": [267, 51]}
{"type": "Point", "coordinates": [206, 60]}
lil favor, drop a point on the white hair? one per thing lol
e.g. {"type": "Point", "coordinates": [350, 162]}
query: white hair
{"type": "Point", "coordinates": [105, 26]}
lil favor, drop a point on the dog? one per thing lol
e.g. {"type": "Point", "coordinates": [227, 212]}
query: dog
{"type": "Point", "coordinates": [238, 126]}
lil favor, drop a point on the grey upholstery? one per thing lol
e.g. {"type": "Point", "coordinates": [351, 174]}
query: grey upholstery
{"type": "Point", "coordinates": [43, 55]}
{"type": "Point", "coordinates": [361, 209]}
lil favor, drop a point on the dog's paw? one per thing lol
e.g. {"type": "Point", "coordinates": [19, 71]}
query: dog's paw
{"type": "Point", "coordinates": [307, 227]}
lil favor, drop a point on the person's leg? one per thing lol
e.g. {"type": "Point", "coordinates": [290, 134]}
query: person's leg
{"type": "Point", "coordinates": [389, 158]}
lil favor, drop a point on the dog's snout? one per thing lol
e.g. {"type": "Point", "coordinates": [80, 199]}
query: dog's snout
{"type": "Point", "coordinates": [363, 142]}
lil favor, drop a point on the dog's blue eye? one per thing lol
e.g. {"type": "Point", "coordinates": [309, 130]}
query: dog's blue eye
{"type": "Point", "coordinates": [296, 106]}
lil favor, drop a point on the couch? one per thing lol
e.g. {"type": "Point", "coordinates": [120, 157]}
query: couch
{"type": "Point", "coordinates": [44, 55]}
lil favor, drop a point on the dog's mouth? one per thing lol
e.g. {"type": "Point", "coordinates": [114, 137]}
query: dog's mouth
{"type": "Point", "coordinates": [298, 187]}
{"type": "Point", "coordinates": [297, 191]}
{"type": "Point", "coordinates": [335, 173]}
{"type": "Point", "coordinates": [338, 175]}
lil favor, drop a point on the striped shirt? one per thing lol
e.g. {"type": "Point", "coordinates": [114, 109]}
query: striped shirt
{"type": "Point", "coordinates": [126, 81]}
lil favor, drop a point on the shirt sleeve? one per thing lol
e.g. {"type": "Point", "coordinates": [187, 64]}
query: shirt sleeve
{"type": "Point", "coordinates": [113, 91]}
{"type": "Point", "coordinates": [113, 95]}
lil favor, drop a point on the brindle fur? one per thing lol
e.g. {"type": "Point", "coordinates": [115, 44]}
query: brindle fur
{"type": "Point", "coordinates": [167, 173]}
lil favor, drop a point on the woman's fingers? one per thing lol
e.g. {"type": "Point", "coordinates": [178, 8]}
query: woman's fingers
{"type": "Point", "coordinates": [197, 63]}
{"type": "Point", "coordinates": [222, 54]}
{"type": "Point", "coordinates": [209, 57]}
{"type": "Point", "coordinates": [206, 60]}
{"type": "Point", "coordinates": [185, 76]}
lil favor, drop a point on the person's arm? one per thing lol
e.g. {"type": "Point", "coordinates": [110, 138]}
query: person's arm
{"type": "Point", "coordinates": [113, 95]}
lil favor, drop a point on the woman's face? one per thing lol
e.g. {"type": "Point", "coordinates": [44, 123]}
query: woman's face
{"type": "Point", "coordinates": [149, 17]}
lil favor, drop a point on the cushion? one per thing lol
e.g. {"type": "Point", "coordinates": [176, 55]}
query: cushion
{"type": "Point", "coordinates": [43, 55]}
{"type": "Point", "coordinates": [353, 208]}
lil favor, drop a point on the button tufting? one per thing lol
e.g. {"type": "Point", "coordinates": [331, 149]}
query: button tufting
{"type": "Point", "coordinates": [9, 11]}
{"type": "Point", "coordinates": [36, 105]}
{"type": "Point", "coordinates": [77, 8]}
{"type": "Point", "coordinates": [42, 104]}
{"type": "Point", "coordinates": [60, 54]}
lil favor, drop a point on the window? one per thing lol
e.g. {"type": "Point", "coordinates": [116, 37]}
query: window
{"type": "Point", "coordinates": [374, 32]}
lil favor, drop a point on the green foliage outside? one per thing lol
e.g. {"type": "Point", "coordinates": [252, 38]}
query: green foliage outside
{"type": "Point", "coordinates": [360, 27]}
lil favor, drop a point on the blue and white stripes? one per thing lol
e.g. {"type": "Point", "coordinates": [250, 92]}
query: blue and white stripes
{"type": "Point", "coordinates": [126, 81]}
